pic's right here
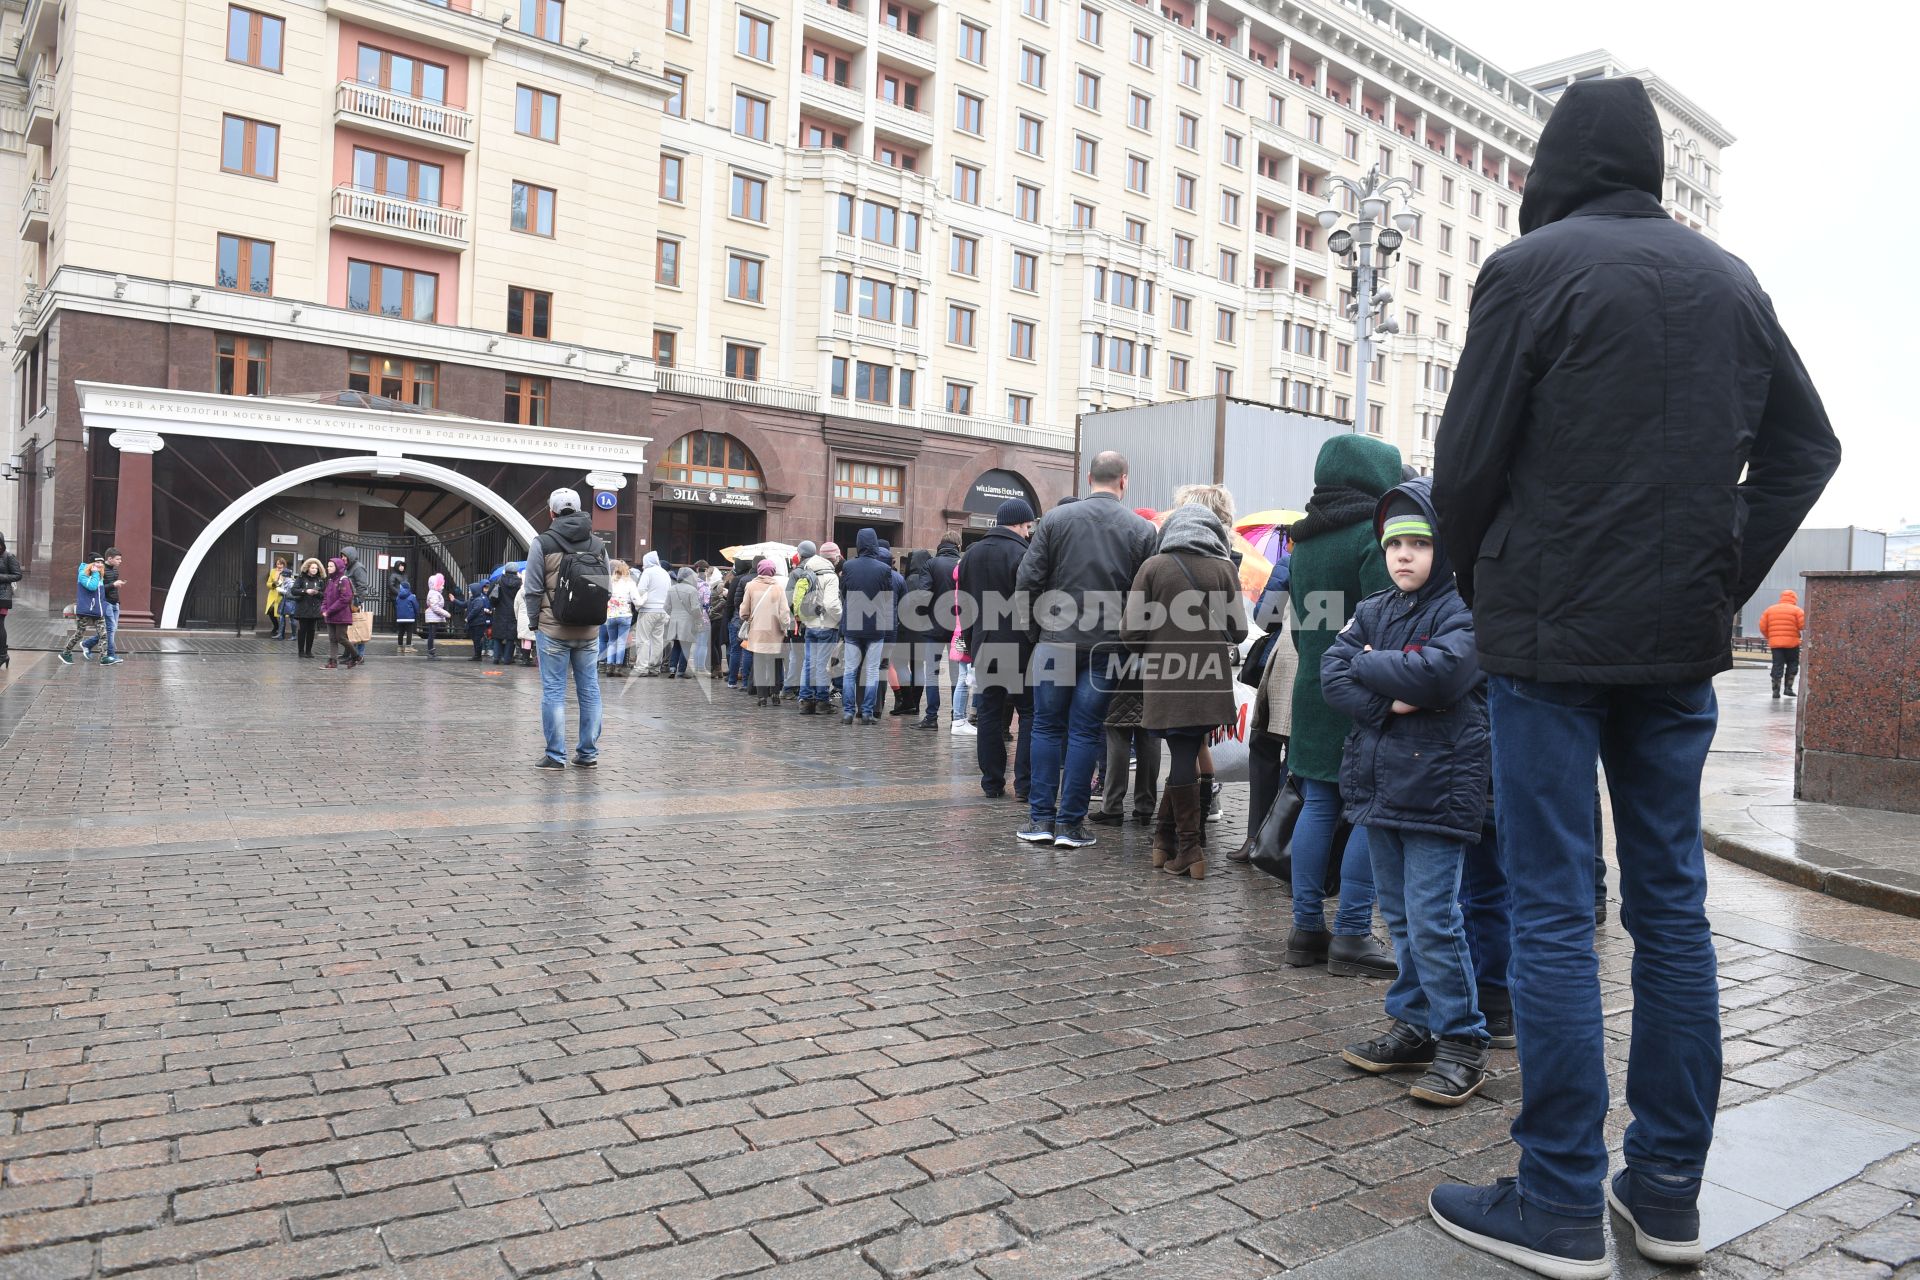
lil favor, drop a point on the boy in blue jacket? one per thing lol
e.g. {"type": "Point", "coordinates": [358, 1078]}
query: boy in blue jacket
{"type": "Point", "coordinates": [479, 618]}
{"type": "Point", "coordinates": [89, 610]}
{"type": "Point", "coordinates": [406, 614]}
{"type": "Point", "coordinates": [1415, 775]}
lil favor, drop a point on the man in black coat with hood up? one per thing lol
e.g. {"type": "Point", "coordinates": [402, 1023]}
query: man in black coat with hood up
{"type": "Point", "coordinates": [1630, 442]}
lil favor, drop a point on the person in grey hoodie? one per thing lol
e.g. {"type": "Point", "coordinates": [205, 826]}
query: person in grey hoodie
{"type": "Point", "coordinates": [562, 648]}
{"type": "Point", "coordinates": [650, 619]}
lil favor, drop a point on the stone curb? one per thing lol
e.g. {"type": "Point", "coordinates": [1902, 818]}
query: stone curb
{"type": "Point", "coordinates": [1845, 885]}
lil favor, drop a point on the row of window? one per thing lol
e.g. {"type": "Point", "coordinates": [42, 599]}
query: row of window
{"type": "Point", "coordinates": [243, 366]}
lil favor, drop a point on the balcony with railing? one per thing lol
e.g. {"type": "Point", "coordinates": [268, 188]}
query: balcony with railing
{"type": "Point", "coordinates": [718, 386]}
{"type": "Point", "coordinates": [902, 122]}
{"type": "Point", "coordinates": [909, 49]}
{"type": "Point", "coordinates": [883, 333]}
{"type": "Point", "coordinates": [34, 215]}
{"type": "Point", "coordinates": [848, 24]}
{"type": "Point", "coordinates": [840, 100]}
{"type": "Point", "coordinates": [397, 218]}
{"type": "Point", "coordinates": [432, 124]}
{"type": "Point", "coordinates": [40, 112]}
{"type": "Point", "coordinates": [892, 257]}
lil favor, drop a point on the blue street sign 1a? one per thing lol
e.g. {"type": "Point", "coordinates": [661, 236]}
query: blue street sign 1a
{"type": "Point", "coordinates": [605, 500]}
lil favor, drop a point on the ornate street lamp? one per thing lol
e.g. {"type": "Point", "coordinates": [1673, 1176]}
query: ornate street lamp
{"type": "Point", "coordinates": [1367, 248]}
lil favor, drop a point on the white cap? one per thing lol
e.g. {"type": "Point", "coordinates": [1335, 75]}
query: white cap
{"type": "Point", "coordinates": [563, 500]}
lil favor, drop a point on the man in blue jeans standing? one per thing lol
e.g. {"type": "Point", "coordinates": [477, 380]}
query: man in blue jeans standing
{"type": "Point", "coordinates": [1073, 583]}
{"type": "Point", "coordinates": [868, 603]}
{"type": "Point", "coordinates": [564, 650]}
{"type": "Point", "coordinates": [1630, 443]}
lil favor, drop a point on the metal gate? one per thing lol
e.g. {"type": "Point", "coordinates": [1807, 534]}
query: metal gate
{"type": "Point", "coordinates": [222, 593]}
{"type": "Point", "coordinates": [463, 554]}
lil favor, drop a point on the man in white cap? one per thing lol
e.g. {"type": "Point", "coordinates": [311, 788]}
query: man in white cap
{"type": "Point", "coordinates": [567, 577]}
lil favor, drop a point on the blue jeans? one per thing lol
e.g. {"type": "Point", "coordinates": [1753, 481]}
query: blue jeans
{"type": "Point", "coordinates": [860, 676]}
{"type": "Point", "coordinates": [613, 640]}
{"type": "Point", "coordinates": [1312, 841]}
{"type": "Point", "coordinates": [816, 657]}
{"type": "Point", "coordinates": [1653, 740]}
{"type": "Point", "coordinates": [1071, 690]}
{"type": "Point", "coordinates": [1486, 908]}
{"type": "Point", "coordinates": [677, 657]}
{"type": "Point", "coordinates": [926, 672]}
{"type": "Point", "coordinates": [557, 658]}
{"type": "Point", "coordinates": [113, 625]}
{"type": "Point", "coordinates": [736, 656]}
{"type": "Point", "coordinates": [1418, 875]}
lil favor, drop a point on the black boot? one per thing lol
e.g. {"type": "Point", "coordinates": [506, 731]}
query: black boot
{"type": "Point", "coordinates": [899, 703]}
{"type": "Point", "coordinates": [1308, 946]}
{"type": "Point", "coordinates": [1496, 1006]}
{"type": "Point", "coordinates": [1404, 1047]}
{"type": "Point", "coordinates": [1459, 1069]}
{"type": "Point", "coordinates": [1776, 688]}
{"type": "Point", "coordinates": [1359, 956]}
{"type": "Point", "coordinates": [1790, 692]}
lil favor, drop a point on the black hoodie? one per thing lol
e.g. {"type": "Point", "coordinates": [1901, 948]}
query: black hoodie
{"type": "Point", "coordinates": [1620, 374]}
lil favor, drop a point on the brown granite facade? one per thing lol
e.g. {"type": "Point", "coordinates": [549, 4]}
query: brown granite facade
{"type": "Point", "coordinates": [1859, 732]}
{"type": "Point", "coordinates": [797, 452]}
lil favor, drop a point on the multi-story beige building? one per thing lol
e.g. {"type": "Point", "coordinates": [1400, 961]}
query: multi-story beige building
{"type": "Point", "coordinates": [746, 269]}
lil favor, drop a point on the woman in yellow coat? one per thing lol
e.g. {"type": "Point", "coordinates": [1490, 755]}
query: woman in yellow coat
{"type": "Point", "coordinates": [765, 619]}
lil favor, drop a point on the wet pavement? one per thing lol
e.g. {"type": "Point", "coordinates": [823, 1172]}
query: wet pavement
{"type": "Point", "coordinates": [306, 973]}
{"type": "Point", "coordinates": [1750, 816]}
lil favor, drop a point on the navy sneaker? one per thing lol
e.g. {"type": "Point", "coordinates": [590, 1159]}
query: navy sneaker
{"type": "Point", "coordinates": [1496, 1221]}
{"type": "Point", "coordinates": [1035, 833]}
{"type": "Point", "coordinates": [1663, 1213]}
{"type": "Point", "coordinates": [548, 762]}
{"type": "Point", "coordinates": [1073, 836]}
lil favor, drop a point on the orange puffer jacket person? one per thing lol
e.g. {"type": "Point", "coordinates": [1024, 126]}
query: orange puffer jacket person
{"type": "Point", "coordinates": [1781, 623]}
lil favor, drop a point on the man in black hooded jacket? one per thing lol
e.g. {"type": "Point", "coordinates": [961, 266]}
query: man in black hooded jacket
{"type": "Point", "coordinates": [1630, 442]}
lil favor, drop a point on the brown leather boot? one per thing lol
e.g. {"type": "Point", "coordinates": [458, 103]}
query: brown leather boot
{"type": "Point", "coordinates": [1163, 837]}
{"type": "Point", "coordinates": [1189, 818]}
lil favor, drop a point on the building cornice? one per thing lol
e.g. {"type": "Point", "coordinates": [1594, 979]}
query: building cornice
{"type": "Point", "coordinates": [174, 302]}
{"type": "Point", "coordinates": [1658, 87]}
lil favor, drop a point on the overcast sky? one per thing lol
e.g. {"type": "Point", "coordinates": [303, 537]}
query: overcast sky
{"type": "Point", "coordinates": [1822, 188]}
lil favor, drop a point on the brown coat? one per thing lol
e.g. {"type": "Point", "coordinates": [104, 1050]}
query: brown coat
{"type": "Point", "coordinates": [765, 616]}
{"type": "Point", "coordinates": [1273, 704]}
{"type": "Point", "coordinates": [1187, 674]}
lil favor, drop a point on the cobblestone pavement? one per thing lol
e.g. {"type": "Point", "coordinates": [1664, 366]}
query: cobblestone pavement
{"type": "Point", "coordinates": [306, 973]}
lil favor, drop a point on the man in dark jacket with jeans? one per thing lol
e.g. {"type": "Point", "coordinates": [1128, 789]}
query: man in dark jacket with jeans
{"type": "Point", "coordinates": [1075, 580]}
{"type": "Point", "coordinates": [867, 619]}
{"type": "Point", "coordinates": [1630, 442]}
{"type": "Point", "coordinates": [997, 647]}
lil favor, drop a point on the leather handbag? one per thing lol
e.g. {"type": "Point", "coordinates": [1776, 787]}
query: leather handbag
{"type": "Point", "coordinates": [1273, 850]}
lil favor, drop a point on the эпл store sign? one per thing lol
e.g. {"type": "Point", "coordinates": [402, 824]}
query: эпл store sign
{"type": "Point", "coordinates": [695, 495]}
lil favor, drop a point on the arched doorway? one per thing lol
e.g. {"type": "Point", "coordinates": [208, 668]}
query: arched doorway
{"type": "Point", "coordinates": [983, 497]}
{"type": "Point", "coordinates": [708, 492]}
{"type": "Point", "coordinates": [244, 509]}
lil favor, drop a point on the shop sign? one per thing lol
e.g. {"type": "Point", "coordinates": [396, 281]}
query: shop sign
{"type": "Point", "coordinates": [857, 511]}
{"type": "Point", "coordinates": [995, 487]}
{"type": "Point", "coordinates": [704, 496]}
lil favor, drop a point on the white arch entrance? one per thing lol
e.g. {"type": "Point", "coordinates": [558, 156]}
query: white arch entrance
{"type": "Point", "coordinates": [413, 468]}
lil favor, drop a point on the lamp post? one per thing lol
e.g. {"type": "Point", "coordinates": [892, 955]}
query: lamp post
{"type": "Point", "coordinates": [1355, 247]}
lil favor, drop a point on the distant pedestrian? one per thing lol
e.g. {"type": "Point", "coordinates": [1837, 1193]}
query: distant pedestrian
{"type": "Point", "coordinates": [506, 615]}
{"type": "Point", "coordinates": [868, 614]}
{"type": "Point", "coordinates": [1075, 578]}
{"type": "Point", "coordinates": [309, 587]}
{"type": "Point", "coordinates": [89, 610]}
{"type": "Point", "coordinates": [362, 586]}
{"type": "Point", "coordinates": [479, 615]}
{"type": "Point", "coordinates": [920, 640]}
{"type": "Point", "coordinates": [1629, 444]}
{"type": "Point", "coordinates": [566, 587]}
{"type": "Point", "coordinates": [994, 636]}
{"type": "Point", "coordinates": [685, 621]}
{"type": "Point", "coordinates": [110, 584]}
{"type": "Point", "coordinates": [336, 610]}
{"type": "Point", "coordinates": [1185, 621]}
{"type": "Point", "coordinates": [10, 573]}
{"type": "Point", "coordinates": [437, 612]}
{"type": "Point", "coordinates": [277, 578]}
{"type": "Point", "coordinates": [650, 615]}
{"type": "Point", "coordinates": [942, 568]}
{"type": "Point", "coordinates": [623, 594]}
{"type": "Point", "coordinates": [814, 591]}
{"type": "Point", "coordinates": [1781, 624]}
{"type": "Point", "coordinates": [765, 618]}
{"type": "Point", "coordinates": [738, 677]}
{"type": "Point", "coordinates": [406, 615]}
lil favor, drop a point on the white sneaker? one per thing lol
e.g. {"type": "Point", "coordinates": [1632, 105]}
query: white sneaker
{"type": "Point", "coordinates": [961, 729]}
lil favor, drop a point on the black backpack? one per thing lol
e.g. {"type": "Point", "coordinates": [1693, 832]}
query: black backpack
{"type": "Point", "coordinates": [578, 594]}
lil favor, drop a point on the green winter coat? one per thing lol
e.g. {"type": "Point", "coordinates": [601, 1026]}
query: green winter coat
{"type": "Point", "coordinates": [1349, 564]}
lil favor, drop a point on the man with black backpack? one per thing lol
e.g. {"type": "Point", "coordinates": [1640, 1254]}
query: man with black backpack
{"type": "Point", "coordinates": [566, 588]}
